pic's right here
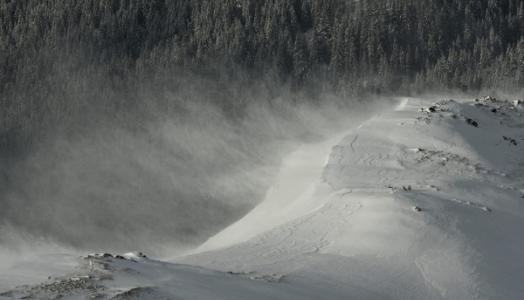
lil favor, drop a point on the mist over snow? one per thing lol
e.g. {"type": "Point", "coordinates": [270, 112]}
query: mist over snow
{"type": "Point", "coordinates": [172, 185]}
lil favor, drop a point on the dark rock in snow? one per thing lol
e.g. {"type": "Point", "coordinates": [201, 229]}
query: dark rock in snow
{"type": "Point", "coordinates": [510, 140]}
{"type": "Point", "coordinates": [472, 122]}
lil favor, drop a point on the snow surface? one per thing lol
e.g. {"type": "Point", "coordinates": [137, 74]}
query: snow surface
{"type": "Point", "coordinates": [421, 202]}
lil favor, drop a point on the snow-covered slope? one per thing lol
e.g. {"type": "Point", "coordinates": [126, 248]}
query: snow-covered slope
{"type": "Point", "coordinates": [421, 202]}
{"type": "Point", "coordinates": [297, 191]}
{"type": "Point", "coordinates": [424, 204]}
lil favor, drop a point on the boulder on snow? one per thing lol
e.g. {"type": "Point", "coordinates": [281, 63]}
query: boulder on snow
{"type": "Point", "coordinates": [430, 109]}
{"type": "Point", "coordinates": [485, 208]}
{"type": "Point", "coordinates": [134, 255]}
{"type": "Point", "coordinates": [519, 104]}
{"type": "Point", "coordinates": [510, 140]}
{"type": "Point", "coordinates": [472, 122]}
{"type": "Point", "coordinates": [100, 255]}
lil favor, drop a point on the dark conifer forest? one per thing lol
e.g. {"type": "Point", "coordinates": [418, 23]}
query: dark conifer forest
{"type": "Point", "coordinates": [59, 59]}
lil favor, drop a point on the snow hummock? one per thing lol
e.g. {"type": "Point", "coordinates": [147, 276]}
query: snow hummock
{"type": "Point", "coordinates": [297, 191]}
{"type": "Point", "coordinates": [424, 201]}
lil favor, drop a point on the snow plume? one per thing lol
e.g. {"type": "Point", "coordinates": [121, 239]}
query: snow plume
{"type": "Point", "coordinates": [170, 185]}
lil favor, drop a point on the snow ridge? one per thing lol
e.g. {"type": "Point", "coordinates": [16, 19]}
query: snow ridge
{"type": "Point", "coordinates": [421, 202]}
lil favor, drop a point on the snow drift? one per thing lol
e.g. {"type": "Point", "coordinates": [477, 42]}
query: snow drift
{"type": "Point", "coordinates": [420, 202]}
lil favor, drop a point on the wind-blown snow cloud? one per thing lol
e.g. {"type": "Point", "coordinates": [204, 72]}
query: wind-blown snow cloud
{"type": "Point", "coordinates": [173, 184]}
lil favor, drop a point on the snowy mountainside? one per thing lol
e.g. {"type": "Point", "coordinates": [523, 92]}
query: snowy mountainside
{"type": "Point", "coordinates": [426, 203]}
{"type": "Point", "coordinates": [422, 202]}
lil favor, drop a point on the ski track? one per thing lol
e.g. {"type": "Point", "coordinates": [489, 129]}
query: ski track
{"type": "Point", "coordinates": [352, 145]}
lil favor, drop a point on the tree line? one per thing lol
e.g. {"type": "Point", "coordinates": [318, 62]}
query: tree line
{"type": "Point", "coordinates": [65, 61]}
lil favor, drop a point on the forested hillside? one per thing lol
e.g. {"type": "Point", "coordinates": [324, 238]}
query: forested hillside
{"type": "Point", "coordinates": [63, 60]}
